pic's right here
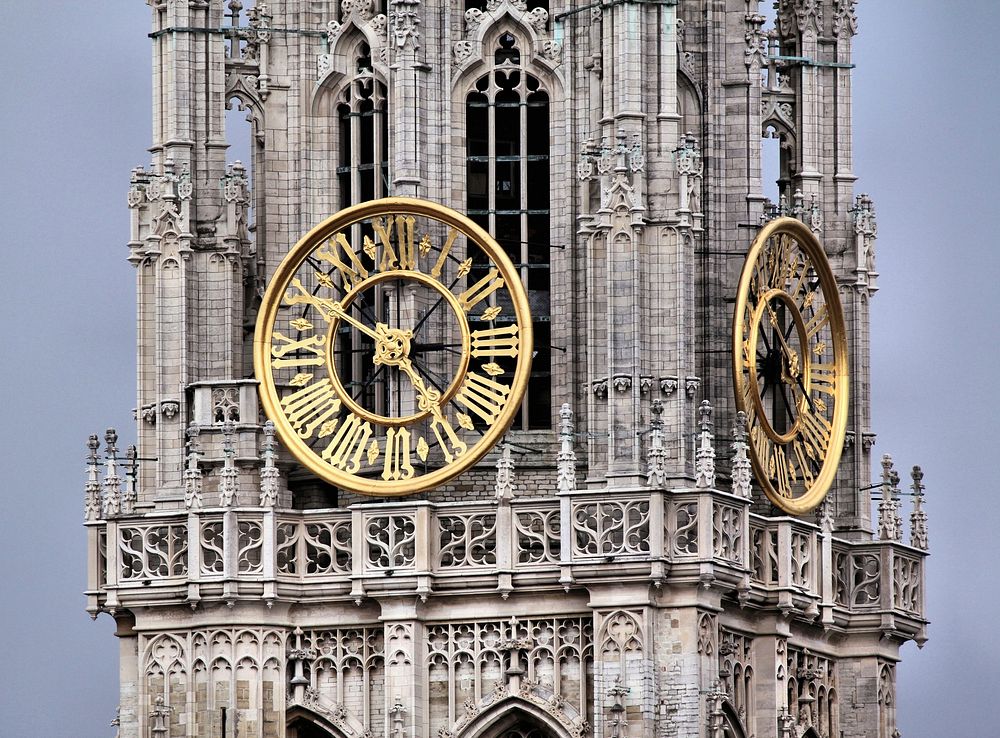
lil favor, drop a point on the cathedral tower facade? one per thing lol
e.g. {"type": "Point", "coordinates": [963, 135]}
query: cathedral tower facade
{"type": "Point", "coordinates": [611, 570]}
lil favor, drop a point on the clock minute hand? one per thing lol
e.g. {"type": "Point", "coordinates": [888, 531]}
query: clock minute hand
{"type": "Point", "coordinates": [329, 308]}
{"type": "Point", "coordinates": [792, 354]}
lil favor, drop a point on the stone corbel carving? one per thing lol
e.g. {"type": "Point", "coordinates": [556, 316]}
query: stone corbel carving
{"type": "Point", "coordinates": [668, 384]}
{"type": "Point", "coordinates": [691, 385]}
{"type": "Point", "coordinates": [622, 382]}
{"type": "Point", "coordinates": [170, 408]}
{"type": "Point", "coordinates": [600, 388]}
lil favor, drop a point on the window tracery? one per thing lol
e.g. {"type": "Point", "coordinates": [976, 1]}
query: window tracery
{"type": "Point", "coordinates": [507, 193]}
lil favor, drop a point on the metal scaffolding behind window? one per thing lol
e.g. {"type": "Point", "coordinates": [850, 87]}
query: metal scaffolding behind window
{"type": "Point", "coordinates": [507, 176]}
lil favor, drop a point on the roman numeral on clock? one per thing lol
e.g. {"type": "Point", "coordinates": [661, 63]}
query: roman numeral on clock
{"type": "Point", "coordinates": [312, 407]}
{"type": "Point", "coordinates": [495, 342]}
{"type": "Point", "coordinates": [312, 344]}
{"type": "Point", "coordinates": [816, 432]}
{"type": "Point", "coordinates": [352, 273]}
{"type": "Point", "coordinates": [481, 290]}
{"type": "Point", "coordinates": [439, 264]}
{"type": "Point", "coordinates": [348, 444]}
{"type": "Point", "coordinates": [483, 396]}
{"type": "Point", "coordinates": [397, 454]}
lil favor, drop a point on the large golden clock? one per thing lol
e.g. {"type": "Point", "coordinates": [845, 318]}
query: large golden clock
{"type": "Point", "coordinates": [393, 346]}
{"type": "Point", "coordinates": [790, 365]}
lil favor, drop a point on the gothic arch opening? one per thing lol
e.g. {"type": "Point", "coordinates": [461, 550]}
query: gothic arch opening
{"type": "Point", "coordinates": [732, 724]}
{"type": "Point", "coordinates": [302, 723]}
{"type": "Point", "coordinates": [514, 719]}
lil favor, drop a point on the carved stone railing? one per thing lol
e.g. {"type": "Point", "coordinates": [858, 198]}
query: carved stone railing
{"type": "Point", "coordinates": [694, 537]}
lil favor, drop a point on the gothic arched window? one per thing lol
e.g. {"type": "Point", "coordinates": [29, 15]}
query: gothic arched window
{"type": "Point", "coordinates": [362, 175]}
{"type": "Point", "coordinates": [363, 167]}
{"type": "Point", "coordinates": [507, 186]}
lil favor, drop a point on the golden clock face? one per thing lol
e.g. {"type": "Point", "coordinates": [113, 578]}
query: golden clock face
{"type": "Point", "coordinates": [790, 365]}
{"type": "Point", "coordinates": [393, 346]}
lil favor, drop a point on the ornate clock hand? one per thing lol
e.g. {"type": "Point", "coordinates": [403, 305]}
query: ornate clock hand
{"type": "Point", "coordinates": [326, 306]}
{"type": "Point", "coordinates": [792, 354]}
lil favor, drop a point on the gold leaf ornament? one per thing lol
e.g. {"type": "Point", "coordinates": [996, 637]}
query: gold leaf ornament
{"type": "Point", "coordinates": [300, 380]}
{"type": "Point", "coordinates": [301, 324]}
{"type": "Point", "coordinates": [422, 448]}
{"type": "Point", "coordinates": [491, 313]}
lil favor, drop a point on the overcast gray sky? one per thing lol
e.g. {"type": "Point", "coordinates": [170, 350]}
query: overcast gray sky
{"type": "Point", "coordinates": [75, 118]}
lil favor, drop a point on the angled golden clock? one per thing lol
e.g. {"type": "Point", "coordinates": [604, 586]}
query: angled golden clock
{"type": "Point", "coordinates": [790, 365]}
{"type": "Point", "coordinates": [393, 346]}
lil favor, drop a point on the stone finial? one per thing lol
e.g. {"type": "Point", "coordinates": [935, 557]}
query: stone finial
{"type": "Point", "coordinates": [656, 457]}
{"type": "Point", "coordinates": [112, 482]}
{"type": "Point", "coordinates": [617, 722]}
{"type": "Point", "coordinates": [741, 472]}
{"type": "Point", "coordinates": [798, 204]}
{"type": "Point", "coordinates": [866, 233]}
{"type": "Point", "coordinates": [192, 473]}
{"type": "Point", "coordinates": [566, 459]}
{"type": "Point", "coordinates": [131, 495]}
{"type": "Point", "coordinates": [918, 518]}
{"type": "Point", "coordinates": [92, 490]}
{"type": "Point", "coordinates": [824, 515]}
{"type": "Point", "coordinates": [268, 472]}
{"type": "Point", "coordinates": [229, 475]}
{"type": "Point", "coordinates": [503, 490]}
{"type": "Point", "coordinates": [158, 717]}
{"type": "Point", "coordinates": [815, 218]}
{"type": "Point", "coordinates": [889, 523]}
{"type": "Point", "coordinates": [704, 465]}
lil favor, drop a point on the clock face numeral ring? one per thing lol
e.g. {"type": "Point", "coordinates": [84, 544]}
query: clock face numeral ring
{"type": "Point", "coordinates": [790, 365]}
{"type": "Point", "coordinates": [393, 346]}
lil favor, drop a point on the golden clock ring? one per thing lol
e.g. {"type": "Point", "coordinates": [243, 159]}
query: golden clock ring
{"type": "Point", "coordinates": [787, 281]}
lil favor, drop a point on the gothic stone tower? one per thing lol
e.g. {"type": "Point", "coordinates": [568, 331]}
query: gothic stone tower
{"type": "Point", "coordinates": [613, 571]}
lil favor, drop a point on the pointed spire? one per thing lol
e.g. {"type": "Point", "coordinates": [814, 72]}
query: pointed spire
{"type": "Point", "coordinates": [131, 494]}
{"type": "Point", "coordinates": [918, 518]}
{"type": "Point", "coordinates": [656, 457]}
{"type": "Point", "coordinates": [704, 465]}
{"type": "Point", "coordinates": [741, 474]}
{"type": "Point", "coordinates": [566, 460]}
{"type": "Point", "coordinates": [504, 488]}
{"type": "Point", "coordinates": [268, 472]}
{"type": "Point", "coordinates": [192, 474]}
{"type": "Point", "coordinates": [889, 523]}
{"type": "Point", "coordinates": [112, 482]}
{"type": "Point", "coordinates": [229, 475]}
{"type": "Point", "coordinates": [92, 490]}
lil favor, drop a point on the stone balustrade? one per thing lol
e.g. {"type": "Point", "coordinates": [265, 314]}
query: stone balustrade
{"type": "Point", "coordinates": [695, 537]}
